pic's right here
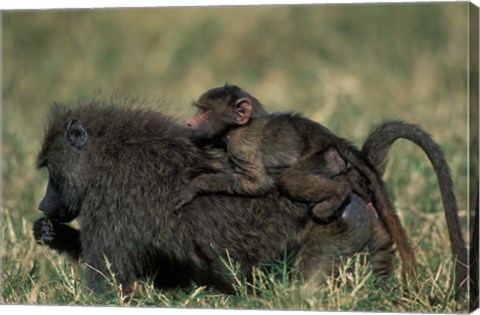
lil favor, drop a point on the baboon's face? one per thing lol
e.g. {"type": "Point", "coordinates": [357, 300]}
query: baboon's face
{"type": "Point", "coordinates": [209, 120]}
{"type": "Point", "coordinates": [219, 110]}
{"type": "Point", "coordinates": [63, 156]}
{"type": "Point", "coordinates": [54, 206]}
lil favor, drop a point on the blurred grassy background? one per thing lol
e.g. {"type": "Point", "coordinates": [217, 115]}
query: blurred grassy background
{"type": "Point", "coordinates": [346, 66]}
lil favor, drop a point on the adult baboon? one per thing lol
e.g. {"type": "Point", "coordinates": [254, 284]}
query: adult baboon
{"type": "Point", "coordinates": [120, 169]}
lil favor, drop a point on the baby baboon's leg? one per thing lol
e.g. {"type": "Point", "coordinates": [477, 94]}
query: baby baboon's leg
{"type": "Point", "coordinates": [310, 180]}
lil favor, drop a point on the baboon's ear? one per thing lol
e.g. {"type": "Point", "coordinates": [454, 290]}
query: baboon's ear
{"type": "Point", "coordinates": [243, 111]}
{"type": "Point", "coordinates": [76, 133]}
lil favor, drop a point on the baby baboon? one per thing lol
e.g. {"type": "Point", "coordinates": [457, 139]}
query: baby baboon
{"type": "Point", "coordinates": [260, 149]}
{"type": "Point", "coordinates": [258, 142]}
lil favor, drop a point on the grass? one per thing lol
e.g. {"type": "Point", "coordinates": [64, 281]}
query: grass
{"type": "Point", "coordinates": [346, 66]}
{"type": "Point", "coordinates": [52, 280]}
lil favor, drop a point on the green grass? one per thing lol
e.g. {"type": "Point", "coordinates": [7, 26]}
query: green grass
{"type": "Point", "coordinates": [51, 280]}
{"type": "Point", "coordinates": [346, 66]}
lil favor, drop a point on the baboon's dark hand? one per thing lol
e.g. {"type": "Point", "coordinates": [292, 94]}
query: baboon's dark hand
{"type": "Point", "coordinates": [44, 231]}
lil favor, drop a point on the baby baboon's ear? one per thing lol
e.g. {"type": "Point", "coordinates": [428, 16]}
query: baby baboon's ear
{"type": "Point", "coordinates": [243, 111]}
{"type": "Point", "coordinates": [77, 134]}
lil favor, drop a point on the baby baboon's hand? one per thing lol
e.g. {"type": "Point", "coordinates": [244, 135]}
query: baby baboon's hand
{"type": "Point", "coordinates": [186, 196]}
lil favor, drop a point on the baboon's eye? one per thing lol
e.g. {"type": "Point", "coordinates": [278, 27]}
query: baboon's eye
{"type": "Point", "coordinates": [200, 108]}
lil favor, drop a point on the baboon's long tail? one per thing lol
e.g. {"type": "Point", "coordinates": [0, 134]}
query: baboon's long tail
{"type": "Point", "coordinates": [376, 148]}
